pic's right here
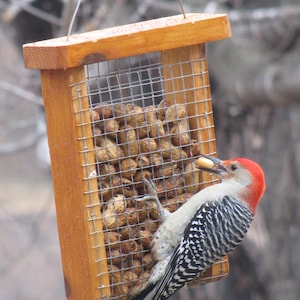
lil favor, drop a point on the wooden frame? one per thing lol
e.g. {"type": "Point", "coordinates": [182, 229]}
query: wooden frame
{"type": "Point", "coordinates": [61, 62]}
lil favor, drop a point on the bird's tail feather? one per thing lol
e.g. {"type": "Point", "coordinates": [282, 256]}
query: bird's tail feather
{"type": "Point", "coordinates": [145, 294]}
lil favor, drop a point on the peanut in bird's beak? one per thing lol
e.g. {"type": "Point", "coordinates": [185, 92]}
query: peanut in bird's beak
{"type": "Point", "coordinates": [210, 164]}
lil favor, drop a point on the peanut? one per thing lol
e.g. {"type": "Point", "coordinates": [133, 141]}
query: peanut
{"type": "Point", "coordinates": [148, 261]}
{"type": "Point", "coordinates": [136, 250]}
{"type": "Point", "coordinates": [128, 140]}
{"type": "Point", "coordinates": [96, 132]}
{"type": "Point", "coordinates": [140, 284]}
{"type": "Point", "coordinates": [170, 187]}
{"type": "Point", "coordinates": [112, 212]}
{"type": "Point", "coordinates": [155, 126]}
{"type": "Point", "coordinates": [131, 278]}
{"type": "Point", "coordinates": [110, 127]}
{"type": "Point", "coordinates": [137, 114]}
{"type": "Point", "coordinates": [139, 178]}
{"type": "Point", "coordinates": [165, 170]}
{"type": "Point", "coordinates": [151, 225]}
{"type": "Point", "coordinates": [128, 168]}
{"type": "Point", "coordinates": [119, 111]}
{"type": "Point", "coordinates": [147, 145]}
{"type": "Point", "coordinates": [142, 161]}
{"type": "Point", "coordinates": [111, 238]}
{"type": "Point", "coordinates": [145, 237]}
{"type": "Point", "coordinates": [128, 232]}
{"type": "Point", "coordinates": [204, 163]}
{"type": "Point", "coordinates": [194, 149]}
{"type": "Point", "coordinates": [142, 131]}
{"type": "Point", "coordinates": [106, 170]}
{"type": "Point", "coordinates": [126, 246]}
{"type": "Point", "coordinates": [136, 267]}
{"type": "Point", "coordinates": [94, 115]}
{"type": "Point", "coordinates": [181, 133]}
{"type": "Point", "coordinates": [175, 112]}
{"type": "Point", "coordinates": [173, 203]}
{"type": "Point", "coordinates": [161, 109]}
{"type": "Point", "coordinates": [156, 160]}
{"type": "Point", "coordinates": [101, 154]}
{"type": "Point", "coordinates": [116, 256]}
{"type": "Point", "coordinates": [104, 110]}
{"type": "Point", "coordinates": [134, 216]}
{"type": "Point", "coordinates": [105, 192]}
{"type": "Point", "coordinates": [117, 287]}
{"type": "Point", "coordinates": [122, 185]}
{"type": "Point", "coordinates": [169, 151]}
{"type": "Point", "coordinates": [113, 152]}
{"type": "Point", "coordinates": [192, 177]}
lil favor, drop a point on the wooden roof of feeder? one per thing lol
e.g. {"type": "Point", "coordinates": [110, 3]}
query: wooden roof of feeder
{"type": "Point", "coordinates": [127, 40]}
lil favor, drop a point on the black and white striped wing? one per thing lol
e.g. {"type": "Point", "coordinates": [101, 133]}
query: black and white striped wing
{"type": "Point", "coordinates": [215, 230]}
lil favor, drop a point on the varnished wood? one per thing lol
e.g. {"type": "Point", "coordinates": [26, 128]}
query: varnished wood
{"type": "Point", "coordinates": [122, 41]}
{"type": "Point", "coordinates": [74, 187]}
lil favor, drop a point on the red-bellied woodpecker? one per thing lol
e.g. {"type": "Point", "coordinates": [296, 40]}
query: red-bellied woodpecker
{"type": "Point", "coordinates": [208, 226]}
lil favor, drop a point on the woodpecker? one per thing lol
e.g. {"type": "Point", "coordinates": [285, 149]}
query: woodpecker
{"type": "Point", "coordinates": [208, 226]}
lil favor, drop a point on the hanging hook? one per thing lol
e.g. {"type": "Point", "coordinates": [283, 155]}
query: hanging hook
{"type": "Point", "coordinates": [73, 19]}
{"type": "Point", "coordinates": [182, 8]}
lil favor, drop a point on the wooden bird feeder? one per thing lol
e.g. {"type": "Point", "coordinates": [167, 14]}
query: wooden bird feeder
{"type": "Point", "coordinates": [123, 105]}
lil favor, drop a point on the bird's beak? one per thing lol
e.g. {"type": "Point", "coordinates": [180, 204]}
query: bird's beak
{"type": "Point", "coordinates": [214, 165]}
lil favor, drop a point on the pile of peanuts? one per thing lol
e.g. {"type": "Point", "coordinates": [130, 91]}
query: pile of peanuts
{"type": "Point", "coordinates": [134, 143]}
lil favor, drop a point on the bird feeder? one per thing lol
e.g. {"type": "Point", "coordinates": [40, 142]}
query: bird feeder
{"type": "Point", "coordinates": [125, 105]}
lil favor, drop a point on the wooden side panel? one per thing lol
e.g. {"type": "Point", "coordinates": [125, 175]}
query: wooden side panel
{"type": "Point", "coordinates": [186, 81]}
{"type": "Point", "coordinates": [74, 185]}
{"type": "Point", "coordinates": [126, 40]}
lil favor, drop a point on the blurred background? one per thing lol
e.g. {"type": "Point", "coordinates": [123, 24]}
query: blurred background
{"type": "Point", "coordinates": [255, 82]}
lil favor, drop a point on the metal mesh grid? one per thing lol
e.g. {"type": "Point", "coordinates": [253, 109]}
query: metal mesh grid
{"type": "Point", "coordinates": [144, 119]}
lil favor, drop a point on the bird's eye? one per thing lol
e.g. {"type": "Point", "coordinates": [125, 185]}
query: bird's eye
{"type": "Point", "coordinates": [233, 167]}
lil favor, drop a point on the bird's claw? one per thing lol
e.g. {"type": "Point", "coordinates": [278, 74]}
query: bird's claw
{"type": "Point", "coordinates": [154, 197]}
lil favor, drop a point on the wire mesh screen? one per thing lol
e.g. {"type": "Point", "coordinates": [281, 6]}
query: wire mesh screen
{"type": "Point", "coordinates": [149, 121]}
